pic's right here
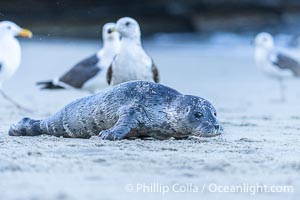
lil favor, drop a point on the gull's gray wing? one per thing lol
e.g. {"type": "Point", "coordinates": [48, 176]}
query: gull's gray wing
{"type": "Point", "coordinates": [81, 72]}
{"type": "Point", "coordinates": [155, 73]}
{"type": "Point", "coordinates": [109, 74]}
{"type": "Point", "coordinates": [285, 62]}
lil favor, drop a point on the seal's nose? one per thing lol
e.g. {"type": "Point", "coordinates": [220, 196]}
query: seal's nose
{"type": "Point", "coordinates": [217, 126]}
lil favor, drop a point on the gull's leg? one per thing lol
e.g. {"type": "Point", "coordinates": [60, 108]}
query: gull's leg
{"type": "Point", "coordinates": [14, 102]}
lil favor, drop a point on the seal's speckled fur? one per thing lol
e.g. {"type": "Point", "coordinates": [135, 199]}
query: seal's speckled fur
{"type": "Point", "coordinates": [132, 109]}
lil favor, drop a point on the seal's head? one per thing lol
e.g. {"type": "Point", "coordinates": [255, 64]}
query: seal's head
{"type": "Point", "coordinates": [198, 117]}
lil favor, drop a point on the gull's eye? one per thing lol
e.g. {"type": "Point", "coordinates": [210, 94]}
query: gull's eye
{"type": "Point", "coordinates": [198, 115]}
{"type": "Point", "coordinates": [215, 114]}
{"type": "Point", "coordinates": [127, 23]}
{"type": "Point", "coordinates": [8, 27]}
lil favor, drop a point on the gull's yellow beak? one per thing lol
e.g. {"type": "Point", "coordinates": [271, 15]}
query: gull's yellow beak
{"type": "Point", "coordinates": [25, 33]}
{"type": "Point", "coordinates": [113, 29]}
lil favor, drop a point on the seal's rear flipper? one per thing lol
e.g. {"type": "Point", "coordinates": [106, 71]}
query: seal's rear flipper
{"type": "Point", "coordinates": [26, 127]}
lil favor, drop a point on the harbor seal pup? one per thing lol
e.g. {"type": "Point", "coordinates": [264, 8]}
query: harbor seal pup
{"type": "Point", "coordinates": [131, 109]}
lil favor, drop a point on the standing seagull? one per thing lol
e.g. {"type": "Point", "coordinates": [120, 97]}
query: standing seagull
{"type": "Point", "coordinates": [275, 63]}
{"type": "Point", "coordinates": [10, 53]}
{"type": "Point", "coordinates": [131, 63]}
{"type": "Point", "coordinates": [90, 73]}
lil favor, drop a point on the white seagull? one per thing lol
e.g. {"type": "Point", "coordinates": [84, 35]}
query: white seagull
{"type": "Point", "coordinates": [10, 53]}
{"type": "Point", "coordinates": [131, 63]}
{"type": "Point", "coordinates": [90, 73]}
{"type": "Point", "coordinates": [273, 62]}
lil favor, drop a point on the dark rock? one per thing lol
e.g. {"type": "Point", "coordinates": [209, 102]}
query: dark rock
{"type": "Point", "coordinates": [85, 18]}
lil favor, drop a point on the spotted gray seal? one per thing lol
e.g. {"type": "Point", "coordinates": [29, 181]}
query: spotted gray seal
{"type": "Point", "coordinates": [131, 109]}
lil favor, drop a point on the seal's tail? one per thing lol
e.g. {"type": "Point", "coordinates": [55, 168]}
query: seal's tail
{"type": "Point", "coordinates": [26, 127]}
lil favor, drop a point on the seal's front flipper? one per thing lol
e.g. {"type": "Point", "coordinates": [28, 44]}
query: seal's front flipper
{"type": "Point", "coordinates": [110, 134]}
{"type": "Point", "coordinates": [128, 120]}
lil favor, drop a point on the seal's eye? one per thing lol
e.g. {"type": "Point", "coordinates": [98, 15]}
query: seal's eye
{"type": "Point", "coordinates": [127, 23]}
{"type": "Point", "coordinates": [198, 115]}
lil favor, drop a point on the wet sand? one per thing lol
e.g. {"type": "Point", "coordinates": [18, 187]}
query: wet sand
{"type": "Point", "coordinates": [260, 144]}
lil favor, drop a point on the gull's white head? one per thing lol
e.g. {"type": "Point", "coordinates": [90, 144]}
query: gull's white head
{"type": "Point", "coordinates": [264, 40]}
{"type": "Point", "coordinates": [108, 33]}
{"type": "Point", "coordinates": [128, 28]}
{"type": "Point", "coordinates": [11, 29]}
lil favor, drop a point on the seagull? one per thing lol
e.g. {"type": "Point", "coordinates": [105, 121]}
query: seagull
{"type": "Point", "coordinates": [273, 62]}
{"type": "Point", "coordinates": [10, 53]}
{"type": "Point", "coordinates": [131, 63]}
{"type": "Point", "coordinates": [90, 73]}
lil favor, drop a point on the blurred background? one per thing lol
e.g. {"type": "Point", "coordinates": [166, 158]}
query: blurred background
{"type": "Point", "coordinates": [201, 47]}
{"type": "Point", "coordinates": [74, 18]}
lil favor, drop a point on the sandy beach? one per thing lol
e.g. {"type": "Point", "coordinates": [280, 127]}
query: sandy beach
{"type": "Point", "coordinates": [260, 145]}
